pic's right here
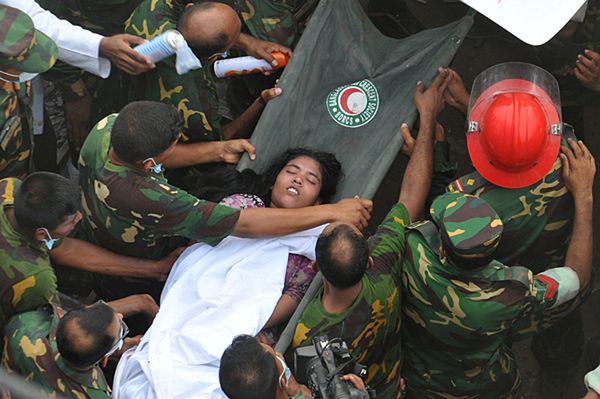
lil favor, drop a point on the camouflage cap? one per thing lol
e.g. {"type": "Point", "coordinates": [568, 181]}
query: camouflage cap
{"type": "Point", "coordinates": [469, 226]}
{"type": "Point", "coordinates": [21, 45]}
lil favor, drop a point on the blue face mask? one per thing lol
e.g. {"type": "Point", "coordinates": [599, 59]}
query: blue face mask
{"type": "Point", "coordinates": [157, 168]}
{"type": "Point", "coordinates": [21, 78]}
{"type": "Point", "coordinates": [49, 242]}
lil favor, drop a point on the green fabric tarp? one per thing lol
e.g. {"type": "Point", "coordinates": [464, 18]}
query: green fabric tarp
{"type": "Point", "coordinates": [340, 47]}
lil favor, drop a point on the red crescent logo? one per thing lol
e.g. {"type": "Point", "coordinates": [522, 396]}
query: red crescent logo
{"type": "Point", "coordinates": [346, 93]}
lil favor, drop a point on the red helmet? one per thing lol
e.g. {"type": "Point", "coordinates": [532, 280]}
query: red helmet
{"type": "Point", "coordinates": [514, 131]}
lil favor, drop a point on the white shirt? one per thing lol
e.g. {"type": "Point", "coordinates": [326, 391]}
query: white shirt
{"type": "Point", "coordinates": [76, 46]}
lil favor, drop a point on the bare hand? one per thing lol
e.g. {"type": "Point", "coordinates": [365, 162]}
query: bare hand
{"type": "Point", "coordinates": [356, 381]}
{"type": "Point", "coordinates": [77, 117]}
{"type": "Point", "coordinates": [579, 168]}
{"type": "Point", "coordinates": [456, 94]}
{"type": "Point", "coordinates": [430, 101]}
{"type": "Point", "coordinates": [269, 94]}
{"type": "Point", "coordinates": [135, 304]}
{"type": "Point", "coordinates": [128, 343]}
{"type": "Point", "coordinates": [355, 211]}
{"type": "Point", "coordinates": [164, 265]}
{"type": "Point", "coordinates": [261, 48]}
{"type": "Point", "coordinates": [587, 70]}
{"type": "Point", "coordinates": [409, 142]}
{"type": "Point", "coordinates": [118, 50]}
{"type": "Point", "coordinates": [592, 395]}
{"type": "Point", "coordinates": [232, 150]}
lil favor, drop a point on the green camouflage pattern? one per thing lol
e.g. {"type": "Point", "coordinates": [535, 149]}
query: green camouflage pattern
{"type": "Point", "coordinates": [470, 226]}
{"type": "Point", "coordinates": [137, 213]}
{"type": "Point", "coordinates": [271, 20]}
{"type": "Point", "coordinates": [456, 322]}
{"type": "Point", "coordinates": [537, 219]}
{"type": "Point", "coordinates": [30, 349]}
{"type": "Point", "coordinates": [194, 94]}
{"type": "Point", "coordinates": [16, 135]}
{"type": "Point", "coordinates": [27, 278]}
{"type": "Point", "coordinates": [21, 45]}
{"type": "Point", "coordinates": [371, 326]}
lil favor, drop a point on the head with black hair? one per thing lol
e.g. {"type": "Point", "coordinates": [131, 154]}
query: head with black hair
{"type": "Point", "coordinates": [248, 370]}
{"type": "Point", "coordinates": [297, 178]}
{"type": "Point", "coordinates": [342, 255]}
{"type": "Point", "coordinates": [209, 28]}
{"type": "Point", "coordinates": [46, 206]}
{"type": "Point", "coordinates": [144, 130]}
{"type": "Point", "coordinates": [86, 335]}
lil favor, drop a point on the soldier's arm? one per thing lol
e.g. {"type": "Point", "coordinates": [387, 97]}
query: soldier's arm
{"type": "Point", "coordinates": [229, 151]}
{"type": "Point", "coordinates": [82, 255]}
{"type": "Point", "coordinates": [260, 222]}
{"type": "Point", "coordinates": [417, 177]}
{"type": "Point", "coordinates": [579, 168]}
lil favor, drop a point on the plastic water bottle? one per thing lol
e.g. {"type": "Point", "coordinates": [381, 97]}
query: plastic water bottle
{"type": "Point", "coordinates": [246, 65]}
{"type": "Point", "coordinates": [162, 46]}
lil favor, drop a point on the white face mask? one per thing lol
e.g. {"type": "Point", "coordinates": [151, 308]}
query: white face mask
{"type": "Point", "coordinates": [21, 78]}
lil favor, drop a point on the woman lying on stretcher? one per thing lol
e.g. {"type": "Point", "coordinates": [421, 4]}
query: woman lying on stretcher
{"type": "Point", "coordinates": [298, 178]}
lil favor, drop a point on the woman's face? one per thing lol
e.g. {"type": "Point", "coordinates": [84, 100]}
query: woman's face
{"type": "Point", "coordinates": [298, 184]}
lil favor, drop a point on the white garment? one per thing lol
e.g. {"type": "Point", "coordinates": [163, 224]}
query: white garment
{"type": "Point", "coordinates": [76, 46]}
{"type": "Point", "coordinates": [592, 380]}
{"type": "Point", "coordinates": [212, 295]}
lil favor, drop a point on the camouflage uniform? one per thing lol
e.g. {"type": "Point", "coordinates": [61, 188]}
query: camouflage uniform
{"type": "Point", "coordinates": [31, 350]}
{"type": "Point", "coordinates": [271, 20]}
{"type": "Point", "coordinates": [135, 213]}
{"type": "Point", "coordinates": [28, 50]}
{"type": "Point", "coordinates": [371, 326]}
{"type": "Point", "coordinates": [194, 94]}
{"type": "Point", "coordinates": [27, 280]}
{"type": "Point", "coordinates": [457, 320]}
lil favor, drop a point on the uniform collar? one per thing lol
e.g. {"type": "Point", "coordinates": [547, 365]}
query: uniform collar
{"type": "Point", "coordinates": [93, 378]}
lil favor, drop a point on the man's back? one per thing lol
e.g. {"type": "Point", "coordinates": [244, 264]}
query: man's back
{"type": "Point", "coordinates": [371, 325]}
{"type": "Point", "coordinates": [136, 213]}
{"type": "Point", "coordinates": [456, 321]}
{"type": "Point", "coordinates": [537, 219]}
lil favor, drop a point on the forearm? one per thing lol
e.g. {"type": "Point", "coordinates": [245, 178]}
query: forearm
{"type": "Point", "coordinates": [82, 255]}
{"type": "Point", "coordinates": [283, 311]}
{"type": "Point", "coordinates": [193, 154]}
{"type": "Point", "coordinates": [135, 304]}
{"type": "Point", "coordinates": [274, 222]}
{"type": "Point", "coordinates": [243, 125]}
{"type": "Point", "coordinates": [417, 176]}
{"type": "Point", "coordinates": [579, 252]}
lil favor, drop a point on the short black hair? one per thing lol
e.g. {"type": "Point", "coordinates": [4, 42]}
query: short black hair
{"type": "Point", "coordinates": [144, 129]}
{"type": "Point", "coordinates": [247, 370]}
{"type": "Point", "coordinates": [45, 199]}
{"type": "Point", "coordinates": [331, 169]}
{"type": "Point", "coordinates": [92, 321]}
{"type": "Point", "coordinates": [202, 47]}
{"type": "Point", "coordinates": [342, 256]}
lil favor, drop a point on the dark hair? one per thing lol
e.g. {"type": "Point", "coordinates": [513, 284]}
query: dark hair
{"type": "Point", "coordinates": [465, 263]}
{"type": "Point", "coordinates": [342, 256]}
{"type": "Point", "coordinates": [220, 181]}
{"type": "Point", "coordinates": [247, 370]}
{"type": "Point", "coordinates": [93, 322]}
{"type": "Point", "coordinates": [45, 199]}
{"type": "Point", "coordinates": [202, 47]}
{"type": "Point", "coordinates": [144, 129]}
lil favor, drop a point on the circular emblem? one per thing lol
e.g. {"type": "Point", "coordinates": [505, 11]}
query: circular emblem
{"type": "Point", "coordinates": [354, 105]}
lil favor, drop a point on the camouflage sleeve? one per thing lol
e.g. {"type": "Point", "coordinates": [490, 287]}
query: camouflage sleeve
{"type": "Point", "coordinates": [271, 20]}
{"type": "Point", "coordinates": [552, 294]}
{"type": "Point", "coordinates": [387, 245]}
{"type": "Point", "coordinates": [199, 220]}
